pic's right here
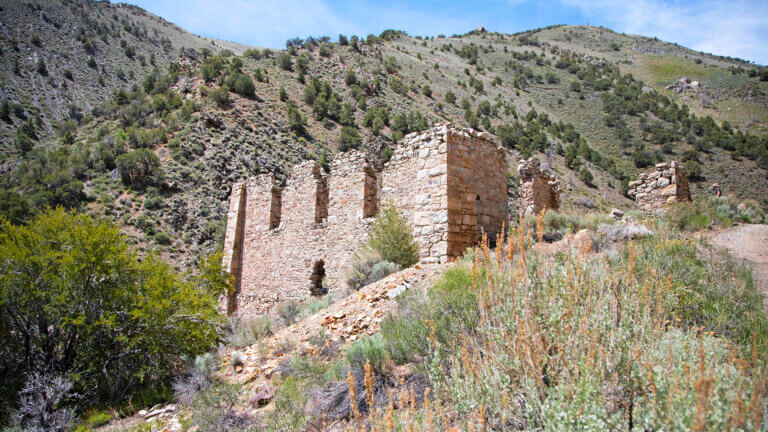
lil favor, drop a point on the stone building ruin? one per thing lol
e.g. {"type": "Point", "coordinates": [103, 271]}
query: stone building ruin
{"type": "Point", "coordinates": [291, 241]}
{"type": "Point", "coordinates": [666, 185]}
{"type": "Point", "coordinates": [539, 189]}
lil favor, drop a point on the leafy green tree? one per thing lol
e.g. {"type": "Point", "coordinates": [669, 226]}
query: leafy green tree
{"type": "Point", "coordinates": [244, 86]}
{"type": "Point", "coordinates": [13, 207]}
{"type": "Point", "coordinates": [397, 86]}
{"type": "Point", "coordinates": [220, 96]}
{"type": "Point", "coordinates": [302, 62]}
{"type": "Point", "coordinates": [349, 139]}
{"type": "Point", "coordinates": [450, 97]}
{"type": "Point", "coordinates": [350, 77]}
{"type": "Point", "coordinates": [347, 115]}
{"type": "Point", "coordinates": [139, 167]}
{"type": "Point", "coordinates": [285, 62]}
{"type": "Point", "coordinates": [41, 69]}
{"type": "Point", "coordinates": [76, 301]}
{"type": "Point", "coordinates": [586, 176]}
{"type": "Point", "coordinates": [392, 238]}
{"type": "Point", "coordinates": [296, 121]}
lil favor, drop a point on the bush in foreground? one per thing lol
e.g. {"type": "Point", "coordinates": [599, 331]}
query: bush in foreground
{"type": "Point", "coordinates": [391, 237]}
{"type": "Point", "coordinates": [114, 324]}
{"type": "Point", "coordinates": [666, 335]}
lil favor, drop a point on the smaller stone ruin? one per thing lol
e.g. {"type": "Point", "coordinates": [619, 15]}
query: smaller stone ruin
{"type": "Point", "coordinates": [667, 185]}
{"type": "Point", "coordinates": [539, 189]}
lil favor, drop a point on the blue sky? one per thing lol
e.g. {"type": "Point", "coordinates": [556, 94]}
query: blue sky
{"type": "Point", "coordinates": [733, 28]}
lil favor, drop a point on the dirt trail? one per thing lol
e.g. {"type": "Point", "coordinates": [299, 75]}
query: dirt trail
{"type": "Point", "coordinates": [749, 243]}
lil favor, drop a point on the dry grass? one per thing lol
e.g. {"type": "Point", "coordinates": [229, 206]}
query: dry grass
{"type": "Point", "coordinates": [587, 344]}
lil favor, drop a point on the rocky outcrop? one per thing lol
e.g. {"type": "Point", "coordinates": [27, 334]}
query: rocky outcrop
{"type": "Point", "coordinates": [666, 185]}
{"type": "Point", "coordinates": [683, 85]}
{"type": "Point", "coordinates": [539, 189]}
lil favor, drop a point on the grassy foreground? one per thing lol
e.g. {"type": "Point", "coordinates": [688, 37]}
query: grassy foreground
{"type": "Point", "coordinates": [662, 334]}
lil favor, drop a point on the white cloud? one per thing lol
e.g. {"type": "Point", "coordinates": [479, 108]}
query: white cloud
{"type": "Point", "coordinates": [732, 28]}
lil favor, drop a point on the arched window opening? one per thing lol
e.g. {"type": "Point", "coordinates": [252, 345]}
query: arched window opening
{"type": "Point", "coordinates": [321, 199]}
{"type": "Point", "coordinates": [275, 208]}
{"type": "Point", "coordinates": [370, 204]}
{"type": "Point", "coordinates": [316, 279]}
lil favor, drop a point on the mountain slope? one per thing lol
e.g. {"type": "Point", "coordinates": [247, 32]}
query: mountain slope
{"type": "Point", "coordinates": [210, 118]}
{"type": "Point", "coordinates": [47, 47]}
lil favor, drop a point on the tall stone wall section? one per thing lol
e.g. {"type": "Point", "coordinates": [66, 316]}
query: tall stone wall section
{"type": "Point", "coordinates": [477, 189]}
{"type": "Point", "coordinates": [539, 189]}
{"type": "Point", "coordinates": [449, 183]}
{"type": "Point", "coordinates": [655, 190]}
{"type": "Point", "coordinates": [415, 181]}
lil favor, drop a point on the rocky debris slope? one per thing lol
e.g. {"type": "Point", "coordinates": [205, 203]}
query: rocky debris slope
{"type": "Point", "coordinates": [359, 314]}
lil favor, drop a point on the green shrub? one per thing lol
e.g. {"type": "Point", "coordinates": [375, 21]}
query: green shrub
{"type": "Point", "coordinates": [397, 86]}
{"type": "Point", "coordinates": [406, 334]}
{"type": "Point", "coordinates": [41, 69]}
{"type": "Point", "coordinates": [139, 167]}
{"type": "Point", "coordinates": [370, 348]}
{"type": "Point", "coordinates": [247, 331]}
{"type": "Point", "coordinates": [241, 84]}
{"type": "Point", "coordinates": [288, 311]}
{"type": "Point", "coordinates": [586, 176]}
{"type": "Point", "coordinates": [154, 202]}
{"type": "Point", "coordinates": [121, 324]}
{"type": "Point", "coordinates": [215, 409]}
{"type": "Point", "coordinates": [162, 238]}
{"type": "Point", "coordinates": [285, 62]}
{"type": "Point", "coordinates": [315, 304]}
{"type": "Point", "coordinates": [289, 403]}
{"type": "Point", "coordinates": [220, 96]}
{"type": "Point", "coordinates": [704, 212]}
{"type": "Point", "coordinates": [391, 237]}
{"type": "Point", "coordinates": [450, 97]}
{"type": "Point", "coordinates": [350, 77]}
{"type": "Point", "coordinates": [571, 222]}
{"type": "Point", "coordinates": [367, 267]}
{"type": "Point", "coordinates": [349, 139]}
{"type": "Point", "coordinates": [296, 121]}
{"type": "Point", "coordinates": [98, 418]}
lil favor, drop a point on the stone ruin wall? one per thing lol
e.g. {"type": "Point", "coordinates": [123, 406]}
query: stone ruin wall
{"type": "Point", "coordinates": [477, 190]}
{"type": "Point", "coordinates": [539, 189]}
{"type": "Point", "coordinates": [666, 185]}
{"type": "Point", "coordinates": [448, 183]}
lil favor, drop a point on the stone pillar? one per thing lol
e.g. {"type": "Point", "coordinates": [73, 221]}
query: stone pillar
{"type": "Point", "coordinates": [666, 185]}
{"type": "Point", "coordinates": [233, 243]}
{"type": "Point", "coordinates": [539, 189]}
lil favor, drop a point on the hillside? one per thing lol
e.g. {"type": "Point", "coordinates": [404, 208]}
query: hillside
{"type": "Point", "coordinates": [563, 93]}
{"type": "Point", "coordinates": [594, 316]}
{"type": "Point", "coordinates": [47, 47]}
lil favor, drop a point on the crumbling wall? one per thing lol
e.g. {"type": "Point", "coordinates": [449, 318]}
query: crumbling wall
{"type": "Point", "coordinates": [415, 180]}
{"type": "Point", "coordinates": [539, 189]}
{"type": "Point", "coordinates": [449, 183]}
{"type": "Point", "coordinates": [477, 189]}
{"type": "Point", "coordinates": [666, 185]}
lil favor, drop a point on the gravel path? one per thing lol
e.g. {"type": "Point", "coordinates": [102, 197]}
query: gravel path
{"type": "Point", "coordinates": [749, 243]}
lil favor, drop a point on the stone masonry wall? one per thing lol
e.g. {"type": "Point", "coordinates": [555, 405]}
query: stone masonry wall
{"type": "Point", "coordinates": [539, 189]}
{"type": "Point", "coordinates": [477, 189]}
{"type": "Point", "coordinates": [447, 182]}
{"type": "Point", "coordinates": [666, 185]}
